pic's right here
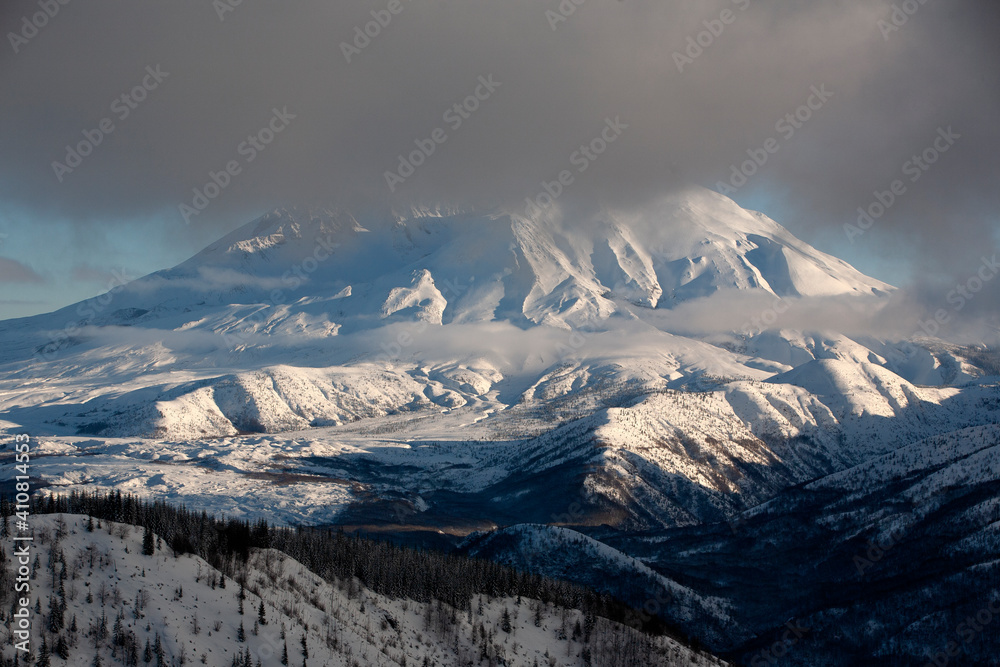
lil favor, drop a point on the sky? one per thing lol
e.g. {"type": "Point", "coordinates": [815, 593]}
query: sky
{"type": "Point", "coordinates": [116, 116]}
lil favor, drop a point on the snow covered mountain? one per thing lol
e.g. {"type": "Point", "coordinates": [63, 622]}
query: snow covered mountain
{"type": "Point", "coordinates": [558, 343]}
{"type": "Point", "coordinates": [526, 328]}
{"type": "Point", "coordinates": [321, 273]}
{"type": "Point", "coordinates": [431, 374]}
{"type": "Point", "coordinates": [881, 563]}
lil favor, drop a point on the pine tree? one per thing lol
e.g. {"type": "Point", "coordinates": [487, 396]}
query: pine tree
{"type": "Point", "coordinates": [62, 648]}
{"type": "Point", "coordinates": [147, 653]}
{"type": "Point", "coordinates": [43, 654]}
{"type": "Point", "coordinates": [158, 651]}
{"type": "Point", "coordinates": [284, 654]}
{"type": "Point", "coordinates": [117, 632]}
{"type": "Point", "coordinates": [55, 614]}
{"type": "Point", "coordinates": [241, 635]}
{"type": "Point", "coordinates": [305, 647]}
{"type": "Point", "coordinates": [505, 621]}
{"type": "Point", "coordinates": [261, 617]}
{"type": "Point", "coordinates": [148, 545]}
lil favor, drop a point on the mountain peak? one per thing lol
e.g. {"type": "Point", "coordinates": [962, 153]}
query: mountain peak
{"type": "Point", "coordinates": [346, 271]}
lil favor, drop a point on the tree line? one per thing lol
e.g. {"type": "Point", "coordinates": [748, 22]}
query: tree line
{"type": "Point", "coordinates": [384, 567]}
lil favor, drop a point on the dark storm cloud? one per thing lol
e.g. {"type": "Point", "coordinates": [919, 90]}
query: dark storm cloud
{"type": "Point", "coordinates": [13, 271]}
{"type": "Point", "coordinates": [208, 83]}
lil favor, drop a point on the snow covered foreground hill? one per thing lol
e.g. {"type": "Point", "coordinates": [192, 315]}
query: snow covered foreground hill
{"type": "Point", "coordinates": [122, 607]}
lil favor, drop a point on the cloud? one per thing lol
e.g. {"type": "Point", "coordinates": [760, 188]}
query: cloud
{"type": "Point", "coordinates": [220, 80]}
{"type": "Point", "coordinates": [13, 271]}
{"type": "Point", "coordinates": [211, 279]}
{"type": "Point", "coordinates": [91, 274]}
{"type": "Point", "coordinates": [20, 302]}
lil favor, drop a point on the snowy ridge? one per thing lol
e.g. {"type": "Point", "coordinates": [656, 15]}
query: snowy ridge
{"type": "Point", "coordinates": [562, 553]}
{"type": "Point", "coordinates": [120, 603]}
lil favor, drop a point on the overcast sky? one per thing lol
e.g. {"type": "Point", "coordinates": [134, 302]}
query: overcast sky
{"type": "Point", "coordinates": [210, 75]}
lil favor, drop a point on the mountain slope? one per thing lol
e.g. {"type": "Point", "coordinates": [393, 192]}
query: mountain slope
{"type": "Point", "coordinates": [383, 357]}
{"type": "Point", "coordinates": [320, 273]}
{"type": "Point", "coordinates": [119, 601]}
